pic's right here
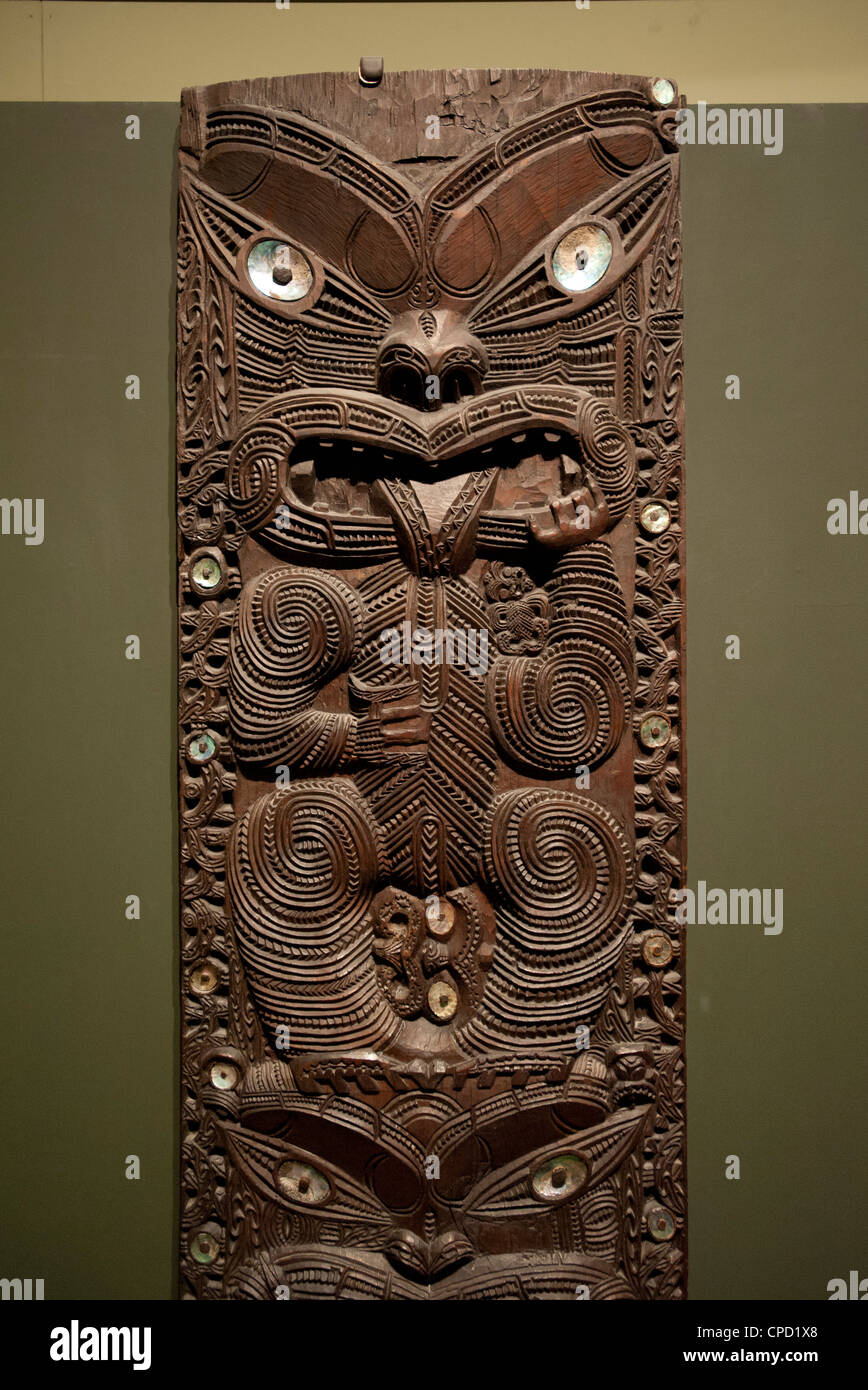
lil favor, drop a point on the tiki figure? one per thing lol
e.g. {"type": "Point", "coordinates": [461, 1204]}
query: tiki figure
{"type": "Point", "coordinates": [430, 473]}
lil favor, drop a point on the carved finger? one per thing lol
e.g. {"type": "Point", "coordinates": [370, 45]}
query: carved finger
{"type": "Point", "coordinates": [400, 709]}
{"type": "Point", "coordinates": [413, 731]}
{"type": "Point", "coordinates": [540, 525]}
{"type": "Point", "coordinates": [597, 493]}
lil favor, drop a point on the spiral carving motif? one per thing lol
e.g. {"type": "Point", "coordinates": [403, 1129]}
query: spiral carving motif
{"type": "Point", "coordinates": [295, 630]}
{"type": "Point", "coordinates": [570, 704]}
{"type": "Point", "coordinates": [299, 625]}
{"type": "Point", "coordinates": [562, 872]}
{"type": "Point", "coordinates": [302, 868]}
{"type": "Point", "coordinates": [562, 864]}
{"type": "Point", "coordinates": [566, 707]}
{"type": "Point", "coordinates": [609, 453]}
{"type": "Point", "coordinates": [253, 474]}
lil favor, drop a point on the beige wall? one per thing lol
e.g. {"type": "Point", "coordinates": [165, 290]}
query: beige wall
{"type": "Point", "coordinates": [717, 50]}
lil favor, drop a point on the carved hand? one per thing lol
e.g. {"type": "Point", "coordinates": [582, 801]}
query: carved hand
{"type": "Point", "coordinates": [572, 520]}
{"type": "Point", "coordinates": [403, 722]}
{"type": "Point", "coordinates": [395, 728]}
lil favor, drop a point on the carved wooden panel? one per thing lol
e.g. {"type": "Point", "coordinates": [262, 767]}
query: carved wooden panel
{"type": "Point", "coordinates": [430, 546]}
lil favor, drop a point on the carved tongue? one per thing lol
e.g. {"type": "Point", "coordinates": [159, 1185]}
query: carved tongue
{"type": "Point", "coordinates": [436, 498]}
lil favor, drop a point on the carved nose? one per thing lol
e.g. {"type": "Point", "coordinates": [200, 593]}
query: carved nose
{"type": "Point", "coordinates": [429, 361]}
{"type": "Point", "coordinates": [408, 1252]}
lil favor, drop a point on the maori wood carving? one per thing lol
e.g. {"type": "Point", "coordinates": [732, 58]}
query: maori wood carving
{"type": "Point", "coordinates": [430, 548]}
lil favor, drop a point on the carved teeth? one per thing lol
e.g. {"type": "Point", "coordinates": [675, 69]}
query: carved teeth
{"type": "Point", "coordinates": [534, 448]}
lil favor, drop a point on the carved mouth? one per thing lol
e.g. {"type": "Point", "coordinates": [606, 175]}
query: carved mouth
{"type": "Point", "coordinates": [320, 455]}
{"type": "Point", "coordinates": [338, 474]}
{"type": "Point", "coordinates": [320, 1271]}
{"type": "Point", "coordinates": [435, 440]}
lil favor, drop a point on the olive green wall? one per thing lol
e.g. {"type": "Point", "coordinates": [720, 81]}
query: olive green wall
{"type": "Point", "coordinates": [774, 264]}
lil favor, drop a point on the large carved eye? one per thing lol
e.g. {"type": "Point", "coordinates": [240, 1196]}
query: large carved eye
{"type": "Point", "coordinates": [581, 258]}
{"type": "Point", "coordinates": [279, 270]}
{"type": "Point", "coordinates": [301, 1182]}
{"type": "Point", "coordinates": [559, 1177]}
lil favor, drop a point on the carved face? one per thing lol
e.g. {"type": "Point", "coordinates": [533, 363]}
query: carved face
{"type": "Point", "coordinates": [417, 390]}
{"type": "Point", "coordinates": [380, 309]}
{"type": "Point", "coordinates": [431, 1195]}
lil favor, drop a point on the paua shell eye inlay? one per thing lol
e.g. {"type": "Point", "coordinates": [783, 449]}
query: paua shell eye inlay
{"type": "Point", "coordinates": [657, 949]}
{"type": "Point", "coordinates": [201, 748]}
{"type": "Point", "coordinates": [440, 916]}
{"type": "Point", "coordinates": [204, 1247]}
{"type": "Point", "coordinates": [442, 1001]}
{"type": "Point", "coordinates": [661, 1223]}
{"type": "Point", "coordinates": [204, 980]}
{"type": "Point", "coordinates": [279, 271]}
{"type": "Point", "coordinates": [581, 258]}
{"type": "Point", "coordinates": [206, 572]}
{"type": "Point", "coordinates": [663, 91]}
{"type": "Point", "coordinates": [559, 1177]}
{"type": "Point", "coordinates": [655, 518]}
{"type": "Point", "coordinates": [301, 1182]}
{"type": "Point", "coordinates": [224, 1076]}
{"type": "Point", "coordinates": [655, 731]}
